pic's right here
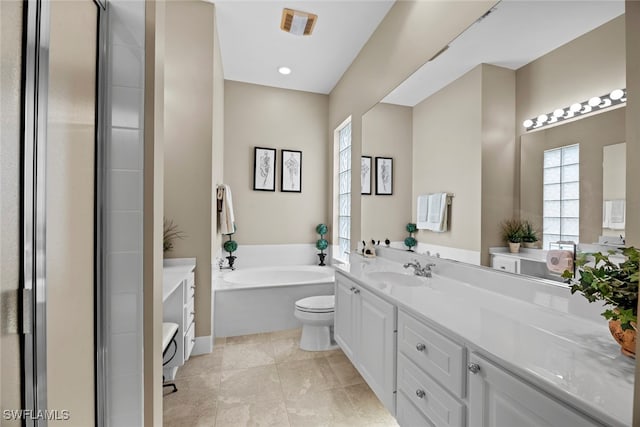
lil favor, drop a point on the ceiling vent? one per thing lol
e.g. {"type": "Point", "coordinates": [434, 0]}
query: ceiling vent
{"type": "Point", "coordinates": [298, 23]}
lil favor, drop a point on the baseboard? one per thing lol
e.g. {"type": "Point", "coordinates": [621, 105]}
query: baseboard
{"type": "Point", "coordinates": [203, 345]}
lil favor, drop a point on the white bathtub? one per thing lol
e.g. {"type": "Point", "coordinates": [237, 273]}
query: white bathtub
{"type": "Point", "coordinates": [255, 300]}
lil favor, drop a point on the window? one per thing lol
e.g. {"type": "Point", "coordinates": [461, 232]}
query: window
{"type": "Point", "coordinates": [343, 144]}
{"type": "Point", "coordinates": [561, 195]}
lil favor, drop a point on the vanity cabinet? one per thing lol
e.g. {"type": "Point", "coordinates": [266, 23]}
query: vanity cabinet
{"type": "Point", "coordinates": [499, 399]}
{"type": "Point", "coordinates": [365, 329]}
{"type": "Point", "coordinates": [505, 263]}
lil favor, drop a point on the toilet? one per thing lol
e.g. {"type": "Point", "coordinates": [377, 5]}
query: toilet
{"type": "Point", "coordinates": [316, 315]}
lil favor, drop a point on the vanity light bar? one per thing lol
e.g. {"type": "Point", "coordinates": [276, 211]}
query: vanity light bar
{"type": "Point", "coordinates": [616, 97]}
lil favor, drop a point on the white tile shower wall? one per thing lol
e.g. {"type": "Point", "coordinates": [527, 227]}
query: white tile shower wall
{"type": "Point", "coordinates": [124, 211]}
{"type": "Point", "coordinates": [275, 255]}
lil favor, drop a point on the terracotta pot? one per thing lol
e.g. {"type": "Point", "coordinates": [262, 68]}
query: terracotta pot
{"type": "Point", "coordinates": [514, 248]}
{"type": "Point", "coordinates": [626, 339]}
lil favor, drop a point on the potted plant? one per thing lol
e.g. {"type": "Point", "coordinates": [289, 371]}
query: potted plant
{"type": "Point", "coordinates": [512, 234]}
{"type": "Point", "coordinates": [322, 243]}
{"type": "Point", "coordinates": [617, 286]}
{"type": "Point", "coordinates": [529, 235]}
{"type": "Point", "coordinates": [411, 241]}
{"type": "Point", "coordinates": [170, 233]}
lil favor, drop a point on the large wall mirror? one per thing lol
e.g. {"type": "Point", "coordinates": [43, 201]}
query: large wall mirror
{"type": "Point", "coordinates": [455, 126]}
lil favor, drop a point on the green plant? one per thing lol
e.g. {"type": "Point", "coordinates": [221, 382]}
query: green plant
{"type": "Point", "coordinates": [512, 231]}
{"type": "Point", "coordinates": [169, 234]}
{"type": "Point", "coordinates": [529, 233]}
{"type": "Point", "coordinates": [616, 285]}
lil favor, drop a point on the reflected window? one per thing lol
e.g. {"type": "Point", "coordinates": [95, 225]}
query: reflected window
{"type": "Point", "coordinates": [343, 142]}
{"type": "Point", "coordinates": [561, 195]}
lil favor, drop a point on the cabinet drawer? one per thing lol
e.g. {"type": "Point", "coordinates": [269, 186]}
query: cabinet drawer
{"type": "Point", "coordinates": [189, 340]}
{"type": "Point", "coordinates": [190, 286]}
{"type": "Point", "coordinates": [508, 264]}
{"type": "Point", "coordinates": [438, 356]}
{"type": "Point", "coordinates": [408, 415]}
{"type": "Point", "coordinates": [428, 396]}
{"type": "Point", "coordinates": [189, 314]}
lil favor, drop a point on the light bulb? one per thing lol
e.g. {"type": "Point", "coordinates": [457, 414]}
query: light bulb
{"type": "Point", "coordinates": [527, 123]}
{"type": "Point", "coordinates": [575, 107]}
{"type": "Point", "coordinates": [284, 70]}
{"type": "Point", "coordinates": [542, 118]}
{"type": "Point", "coordinates": [616, 94]}
{"type": "Point", "coordinates": [595, 101]}
{"type": "Point", "coordinates": [558, 112]}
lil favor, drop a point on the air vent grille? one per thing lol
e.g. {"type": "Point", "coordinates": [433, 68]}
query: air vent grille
{"type": "Point", "coordinates": [298, 23]}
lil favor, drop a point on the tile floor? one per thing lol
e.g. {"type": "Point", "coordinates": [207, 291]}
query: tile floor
{"type": "Point", "coordinates": [266, 380]}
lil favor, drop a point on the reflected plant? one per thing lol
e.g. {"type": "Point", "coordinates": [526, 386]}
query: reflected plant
{"type": "Point", "coordinates": [171, 232]}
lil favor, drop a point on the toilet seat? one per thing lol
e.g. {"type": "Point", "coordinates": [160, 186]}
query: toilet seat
{"type": "Point", "coordinates": [317, 304]}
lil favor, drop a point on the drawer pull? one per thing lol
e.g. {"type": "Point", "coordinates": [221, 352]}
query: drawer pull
{"type": "Point", "coordinates": [193, 286]}
{"type": "Point", "coordinates": [353, 288]}
{"type": "Point", "coordinates": [193, 313]}
{"type": "Point", "coordinates": [420, 393]}
{"type": "Point", "coordinates": [193, 340]}
{"type": "Point", "coordinates": [420, 347]}
{"type": "Point", "coordinates": [357, 291]}
{"type": "Point", "coordinates": [474, 368]}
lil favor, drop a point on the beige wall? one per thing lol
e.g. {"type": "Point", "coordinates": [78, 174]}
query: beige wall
{"type": "Point", "coordinates": [70, 152]}
{"type": "Point", "coordinates": [447, 153]}
{"type": "Point", "coordinates": [281, 119]}
{"type": "Point", "coordinates": [387, 132]}
{"type": "Point", "coordinates": [592, 133]}
{"type": "Point", "coordinates": [189, 141]}
{"type": "Point", "coordinates": [10, 63]}
{"type": "Point", "coordinates": [410, 34]}
{"type": "Point", "coordinates": [154, 97]}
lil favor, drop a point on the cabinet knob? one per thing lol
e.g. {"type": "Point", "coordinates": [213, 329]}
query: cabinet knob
{"type": "Point", "coordinates": [193, 340]}
{"type": "Point", "coordinates": [357, 291]}
{"type": "Point", "coordinates": [353, 288]}
{"type": "Point", "coordinates": [420, 393]}
{"type": "Point", "coordinates": [420, 347]}
{"type": "Point", "coordinates": [193, 313]}
{"type": "Point", "coordinates": [193, 286]}
{"type": "Point", "coordinates": [474, 368]}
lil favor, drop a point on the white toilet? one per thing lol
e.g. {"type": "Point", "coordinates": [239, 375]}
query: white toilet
{"type": "Point", "coordinates": [316, 315]}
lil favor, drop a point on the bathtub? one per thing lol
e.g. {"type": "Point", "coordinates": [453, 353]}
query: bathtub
{"type": "Point", "coordinates": [254, 300]}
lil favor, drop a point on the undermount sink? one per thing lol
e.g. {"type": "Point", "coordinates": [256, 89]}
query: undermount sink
{"type": "Point", "coordinates": [391, 278]}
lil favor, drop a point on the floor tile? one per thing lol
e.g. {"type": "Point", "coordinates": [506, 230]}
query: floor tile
{"type": "Point", "coordinates": [185, 404]}
{"type": "Point", "coordinates": [368, 406]}
{"type": "Point", "coordinates": [288, 349]}
{"type": "Point", "coordinates": [247, 339]}
{"type": "Point", "coordinates": [344, 370]}
{"type": "Point", "coordinates": [253, 414]}
{"type": "Point", "coordinates": [219, 342]}
{"type": "Point", "coordinates": [211, 362]}
{"type": "Point", "coordinates": [248, 355]}
{"type": "Point", "coordinates": [287, 333]}
{"type": "Point", "coordinates": [302, 377]}
{"type": "Point", "coordinates": [257, 384]}
{"type": "Point", "coordinates": [323, 408]}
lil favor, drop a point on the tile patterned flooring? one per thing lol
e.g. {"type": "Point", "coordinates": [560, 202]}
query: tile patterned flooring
{"type": "Point", "coordinates": [266, 380]}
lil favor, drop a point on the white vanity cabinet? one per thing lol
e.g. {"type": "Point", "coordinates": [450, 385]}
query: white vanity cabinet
{"type": "Point", "coordinates": [499, 399]}
{"type": "Point", "coordinates": [365, 329]}
{"type": "Point", "coordinates": [508, 264]}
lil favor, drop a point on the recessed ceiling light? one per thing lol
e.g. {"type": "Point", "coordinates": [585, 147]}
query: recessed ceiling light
{"type": "Point", "coordinates": [284, 70]}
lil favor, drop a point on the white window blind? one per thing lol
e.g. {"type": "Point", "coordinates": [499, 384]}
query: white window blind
{"type": "Point", "coordinates": [561, 195]}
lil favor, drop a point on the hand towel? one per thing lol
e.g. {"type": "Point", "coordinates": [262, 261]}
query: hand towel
{"type": "Point", "coordinates": [559, 260]}
{"type": "Point", "coordinates": [227, 218]}
{"type": "Point", "coordinates": [437, 212]}
{"type": "Point", "coordinates": [616, 217]}
{"type": "Point", "coordinates": [421, 217]}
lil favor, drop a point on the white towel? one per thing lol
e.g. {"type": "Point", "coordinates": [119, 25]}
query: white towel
{"type": "Point", "coordinates": [227, 218]}
{"type": "Point", "coordinates": [616, 219]}
{"type": "Point", "coordinates": [432, 212]}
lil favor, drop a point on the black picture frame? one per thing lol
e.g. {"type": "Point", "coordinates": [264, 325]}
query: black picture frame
{"type": "Point", "coordinates": [384, 176]}
{"type": "Point", "coordinates": [264, 169]}
{"type": "Point", "coordinates": [366, 164]}
{"type": "Point", "coordinates": [291, 171]}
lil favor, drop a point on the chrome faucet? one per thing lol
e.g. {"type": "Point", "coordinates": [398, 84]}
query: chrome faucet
{"type": "Point", "coordinates": [419, 270]}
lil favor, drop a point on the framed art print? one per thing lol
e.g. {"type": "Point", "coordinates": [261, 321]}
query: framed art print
{"type": "Point", "coordinates": [264, 169]}
{"type": "Point", "coordinates": [365, 175]}
{"type": "Point", "coordinates": [384, 176]}
{"type": "Point", "coordinates": [291, 173]}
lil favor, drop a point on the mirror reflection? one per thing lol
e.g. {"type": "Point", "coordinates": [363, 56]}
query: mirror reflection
{"type": "Point", "coordinates": [455, 126]}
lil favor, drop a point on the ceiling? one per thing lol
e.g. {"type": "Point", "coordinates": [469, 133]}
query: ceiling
{"type": "Point", "coordinates": [514, 34]}
{"type": "Point", "coordinates": [253, 46]}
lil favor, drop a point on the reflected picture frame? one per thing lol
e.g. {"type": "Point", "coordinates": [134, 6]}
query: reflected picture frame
{"type": "Point", "coordinates": [365, 175]}
{"type": "Point", "coordinates": [291, 171]}
{"type": "Point", "coordinates": [264, 169]}
{"type": "Point", "coordinates": [384, 176]}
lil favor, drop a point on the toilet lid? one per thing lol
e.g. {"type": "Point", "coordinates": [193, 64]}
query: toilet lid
{"type": "Point", "coordinates": [317, 304]}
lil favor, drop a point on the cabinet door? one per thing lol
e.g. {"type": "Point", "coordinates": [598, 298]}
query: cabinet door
{"type": "Point", "coordinates": [498, 399]}
{"type": "Point", "coordinates": [344, 316]}
{"type": "Point", "coordinates": [508, 264]}
{"type": "Point", "coordinates": [377, 352]}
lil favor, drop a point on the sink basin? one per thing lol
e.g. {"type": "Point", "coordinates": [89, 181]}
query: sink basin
{"type": "Point", "coordinates": [390, 278]}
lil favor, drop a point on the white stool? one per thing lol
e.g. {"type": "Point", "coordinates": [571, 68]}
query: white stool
{"type": "Point", "coordinates": [169, 332]}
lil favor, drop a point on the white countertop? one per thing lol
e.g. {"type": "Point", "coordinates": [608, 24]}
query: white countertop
{"type": "Point", "coordinates": [174, 272]}
{"type": "Point", "coordinates": [574, 359]}
{"type": "Point", "coordinates": [537, 255]}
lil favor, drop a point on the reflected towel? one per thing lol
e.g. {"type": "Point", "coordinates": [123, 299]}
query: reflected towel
{"type": "Point", "coordinates": [227, 218]}
{"type": "Point", "coordinates": [435, 218]}
{"type": "Point", "coordinates": [559, 260]}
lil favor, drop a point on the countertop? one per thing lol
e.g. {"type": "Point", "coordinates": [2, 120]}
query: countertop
{"type": "Point", "coordinates": [173, 273]}
{"type": "Point", "coordinates": [569, 357]}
